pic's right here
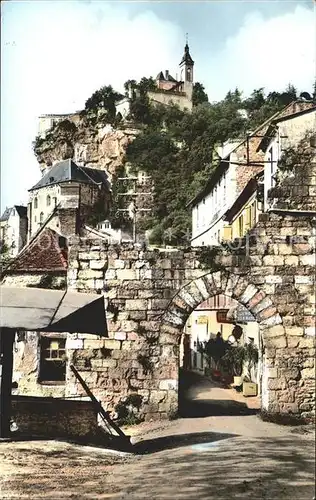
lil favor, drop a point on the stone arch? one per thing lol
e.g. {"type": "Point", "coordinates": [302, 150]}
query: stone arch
{"type": "Point", "coordinates": [237, 286]}
{"type": "Point", "coordinates": [240, 288]}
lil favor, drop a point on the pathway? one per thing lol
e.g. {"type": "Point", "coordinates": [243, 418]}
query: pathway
{"type": "Point", "coordinates": [226, 452]}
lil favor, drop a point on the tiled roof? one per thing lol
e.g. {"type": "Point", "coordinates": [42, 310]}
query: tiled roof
{"type": "Point", "coordinates": [68, 170]}
{"type": "Point", "coordinates": [46, 252]}
{"type": "Point", "coordinates": [6, 214]}
{"type": "Point", "coordinates": [21, 210]}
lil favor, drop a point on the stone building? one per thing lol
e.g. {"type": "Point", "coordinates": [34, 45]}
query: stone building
{"type": "Point", "coordinates": [284, 133]}
{"type": "Point", "coordinates": [169, 90]}
{"type": "Point", "coordinates": [238, 165]}
{"type": "Point", "coordinates": [150, 295]}
{"type": "Point", "coordinates": [13, 229]}
{"type": "Point", "coordinates": [67, 197]}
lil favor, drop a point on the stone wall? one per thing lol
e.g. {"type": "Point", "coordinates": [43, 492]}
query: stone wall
{"type": "Point", "coordinates": [181, 99]}
{"type": "Point", "coordinates": [150, 294]}
{"type": "Point", "coordinates": [56, 418]}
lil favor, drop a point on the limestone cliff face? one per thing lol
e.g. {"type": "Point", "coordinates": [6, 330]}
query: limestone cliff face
{"type": "Point", "coordinates": [89, 142]}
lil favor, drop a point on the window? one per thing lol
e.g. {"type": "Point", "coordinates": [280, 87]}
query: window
{"type": "Point", "coordinates": [48, 200]}
{"type": "Point", "coordinates": [35, 218]}
{"type": "Point", "coordinates": [52, 359]}
{"type": "Point", "coordinates": [240, 225]}
{"type": "Point", "coordinates": [35, 203]}
{"type": "Point", "coordinates": [41, 217]}
{"type": "Point", "coordinates": [253, 215]}
{"type": "Point", "coordinates": [55, 201]}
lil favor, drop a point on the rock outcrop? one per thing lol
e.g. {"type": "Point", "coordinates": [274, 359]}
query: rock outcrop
{"type": "Point", "coordinates": [89, 141]}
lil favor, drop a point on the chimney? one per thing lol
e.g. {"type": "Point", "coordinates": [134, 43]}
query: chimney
{"type": "Point", "coordinates": [167, 74]}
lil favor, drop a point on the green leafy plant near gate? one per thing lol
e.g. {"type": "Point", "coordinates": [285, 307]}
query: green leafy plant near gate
{"type": "Point", "coordinates": [127, 410]}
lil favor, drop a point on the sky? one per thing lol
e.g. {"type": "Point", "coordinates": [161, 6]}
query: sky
{"type": "Point", "coordinates": [55, 54]}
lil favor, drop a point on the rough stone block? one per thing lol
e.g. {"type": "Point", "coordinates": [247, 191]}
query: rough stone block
{"type": "Point", "coordinates": [169, 384]}
{"type": "Point", "coordinates": [273, 260]}
{"type": "Point", "coordinates": [136, 304]}
{"type": "Point", "coordinates": [112, 344]}
{"type": "Point", "coordinates": [276, 343]}
{"type": "Point", "coordinates": [109, 363]}
{"type": "Point", "coordinates": [277, 383]}
{"type": "Point", "coordinates": [272, 321]}
{"type": "Point", "coordinates": [308, 373]}
{"type": "Point", "coordinates": [310, 331]}
{"type": "Point", "coordinates": [266, 313]}
{"type": "Point", "coordinates": [120, 336]}
{"type": "Point", "coordinates": [250, 291]}
{"type": "Point", "coordinates": [295, 331]}
{"type": "Point", "coordinates": [307, 260]}
{"type": "Point", "coordinates": [110, 274]}
{"type": "Point", "coordinates": [291, 260]}
{"type": "Point", "coordinates": [173, 319]}
{"type": "Point", "coordinates": [159, 303]}
{"type": "Point", "coordinates": [151, 326]}
{"type": "Point", "coordinates": [90, 274]}
{"type": "Point", "coordinates": [272, 373]}
{"type": "Point", "coordinates": [93, 344]}
{"type": "Point", "coordinates": [98, 264]}
{"type": "Point", "coordinates": [260, 305]}
{"type": "Point", "coordinates": [188, 298]}
{"type": "Point", "coordinates": [89, 255]}
{"type": "Point", "coordinates": [119, 264]}
{"type": "Point", "coordinates": [127, 274]}
{"type": "Point", "coordinates": [200, 283]}
{"type": "Point", "coordinates": [304, 280]}
{"type": "Point", "coordinates": [274, 331]}
{"type": "Point", "coordinates": [273, 279]}
{"type": "Point", "coordinates": [231, 284]}
{"type": "Point", "coordinates": [74, 343]}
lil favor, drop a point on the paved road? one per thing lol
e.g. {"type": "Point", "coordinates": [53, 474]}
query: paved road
{"type": "Point", "coordinates": [226, 452]}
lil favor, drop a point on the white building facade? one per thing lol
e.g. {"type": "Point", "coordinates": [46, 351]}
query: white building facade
{"type": "Point", "coordinates": [208, 208]}
{"type": "Point", "coordinates": [13, 229]}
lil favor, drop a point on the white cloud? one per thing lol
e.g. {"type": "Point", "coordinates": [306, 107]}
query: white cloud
{"type": "Point", "coordinates": [55, 55]}
{"type": "Point", "coordinates": [267, 53]}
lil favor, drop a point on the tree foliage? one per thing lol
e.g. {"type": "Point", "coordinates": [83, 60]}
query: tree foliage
{"type": "Point", "coordinates": [104, 99]}
{"type": "Point", "coordinates": [199, 96]}
{"type": "Point", "coordinates": [178, 148]}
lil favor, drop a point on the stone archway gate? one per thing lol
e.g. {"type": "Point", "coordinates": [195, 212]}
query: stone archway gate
{"type": "Point", "coordinates": [151, 293]}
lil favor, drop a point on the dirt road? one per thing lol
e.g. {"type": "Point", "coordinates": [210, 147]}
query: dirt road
{"type": "Point", "coordinates": [218, 449]}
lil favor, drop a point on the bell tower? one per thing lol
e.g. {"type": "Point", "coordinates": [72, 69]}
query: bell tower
{"type": "Point", "coordinates": [186, 65]}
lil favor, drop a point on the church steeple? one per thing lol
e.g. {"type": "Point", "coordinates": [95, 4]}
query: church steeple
{"type": "Point", "coordinates": [187, 64]}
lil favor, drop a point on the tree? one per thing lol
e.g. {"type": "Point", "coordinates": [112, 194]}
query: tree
{"type": "Point", "coordinates": [199, 96]}
{"type": "Point", "coordinates": [104, 98]}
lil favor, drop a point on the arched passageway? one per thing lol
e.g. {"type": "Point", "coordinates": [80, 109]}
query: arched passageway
{"type": "Point", "coordinates": [237, 287]}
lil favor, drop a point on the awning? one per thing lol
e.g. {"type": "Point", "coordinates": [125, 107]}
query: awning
{"type": "Point", "coordinates": [37, 309]}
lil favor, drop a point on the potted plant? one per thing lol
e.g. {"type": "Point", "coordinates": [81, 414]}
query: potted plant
{"type": "Point", "coordinates": [214, 350]}
{"type": "Point", "coordinates": [235, 357]}
{"type": "Point", "coordinates": [251, 357]}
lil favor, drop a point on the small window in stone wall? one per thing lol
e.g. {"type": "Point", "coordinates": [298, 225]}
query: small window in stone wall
{"type": "Point", "coordinates": [52, 360]}
{"type": "Point", "coordinates": [35, 203]}
{"type": "Point", "coordinates": [48, 200]}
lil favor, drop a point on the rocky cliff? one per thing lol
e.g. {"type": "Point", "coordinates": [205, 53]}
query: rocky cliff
{"type": "Point", "coordinates": [89, 141]}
